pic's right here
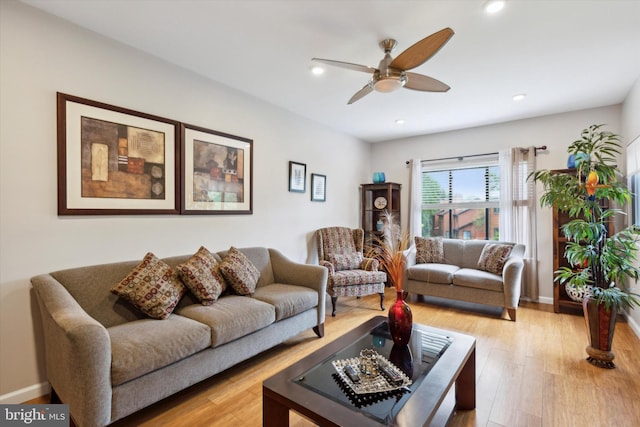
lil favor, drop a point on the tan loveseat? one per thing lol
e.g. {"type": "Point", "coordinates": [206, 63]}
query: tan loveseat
{"type": "Point", "coordinates": [107, 360]}
{"type": "Point", "coordinates": [457, 275]}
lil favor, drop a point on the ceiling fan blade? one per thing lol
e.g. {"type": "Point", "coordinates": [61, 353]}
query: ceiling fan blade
{"type": "Point", "coordinates": [420, 52]}
{"type": "Point", "coordinates": [366, 90]}
{"type": "Point", "coordinates": [424, 83]}
{"type": "Point", "coordinates": [347, 65]}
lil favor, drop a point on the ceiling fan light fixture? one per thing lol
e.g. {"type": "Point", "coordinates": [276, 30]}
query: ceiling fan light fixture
{"type": "Point", "coordinates": [389, 82]}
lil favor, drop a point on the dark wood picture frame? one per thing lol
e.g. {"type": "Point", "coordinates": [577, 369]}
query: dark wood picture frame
{"type": "Point", "coordinates": [297, 177]}
{"type": "Point", "coordinates": [318, 188]}
{"type": "Point", "coordinates": [115, 161]}
{"type": "Point", "coordinates": [217, 172]}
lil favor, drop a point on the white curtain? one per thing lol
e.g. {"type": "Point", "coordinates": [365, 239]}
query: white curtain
{"type": "Point", "coordinates": [415, 199]}
{"type": "Point", "coordinates": [518, 211]}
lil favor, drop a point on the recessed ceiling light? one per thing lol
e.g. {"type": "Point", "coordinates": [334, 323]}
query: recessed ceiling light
{"type": "Point", "coordinates": [493, 6]}
{"type": "Point", "coordinates": [400, 121]}
{"type": "Point", "coordinates": [519, 97]}
{"type": "Point", "coordinates": [316, 70]}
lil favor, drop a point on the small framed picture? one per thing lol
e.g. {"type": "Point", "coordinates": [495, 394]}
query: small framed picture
{"type": "Point", "coordinates": [297, 177]}
{"type": "Point", "coordinates": [318, 187]}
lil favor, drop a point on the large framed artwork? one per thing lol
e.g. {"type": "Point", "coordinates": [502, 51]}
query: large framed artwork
{"type": "Point", "coordinates": [114, 161]}
{"type": "Point", "coordinates": [217, 172]}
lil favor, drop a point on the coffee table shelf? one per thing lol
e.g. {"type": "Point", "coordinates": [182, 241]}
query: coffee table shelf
{"type": "Point", "coordinates": [442, 382]}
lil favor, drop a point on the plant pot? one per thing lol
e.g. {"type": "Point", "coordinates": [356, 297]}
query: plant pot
{"type": "Point", "coordinates": [400, 320]}
{"type": "Point", "coordinates": [600, 327]}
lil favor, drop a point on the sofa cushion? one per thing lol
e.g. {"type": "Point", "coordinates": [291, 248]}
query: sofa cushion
{"type": "Point", "coordinates": [239, 272]}
{"type": "Point", "coordinates": [472, 278]}
{"type": "Point", "coordinates": [142, 346]}
{"type": "Point", "coordinates": [433, 273]}
{"type": "Point", "coordinates": [201, 273]}
{"type": "Point", "coordinates": [493, 257]}
{"type": "Point", "coordinates": [231, 317]}
{"type": "Point", "coordinates": [152, 287]}
{"type": "Point", "coordinates": [350, 261]}
{"type": "Point", "coordinates": [288, 300]}
{"type": "Point", "coordinates": [429, 250]}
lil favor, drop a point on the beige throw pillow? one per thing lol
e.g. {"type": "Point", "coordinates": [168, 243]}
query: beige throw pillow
{"type": "Point", "coordinates": [201, 273]}
{"type": "Point", "coordinates": [239, 272]}
{"type": "Point", "coordinates": [429, 250]}
{"type": "Point", "coordinates": [493, 257]}
{"type": "Point", "coordinates": [351, 261]}
{"type": "Point", "coordinates": [152, 287]}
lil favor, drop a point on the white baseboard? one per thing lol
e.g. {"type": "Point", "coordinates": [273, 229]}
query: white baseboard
{"type": "Point", "coordinates": [25, 394]}
{"type": "Point", "coordinates": [635, 327]}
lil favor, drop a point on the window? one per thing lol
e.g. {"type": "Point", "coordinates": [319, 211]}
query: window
{"type": "Point", "coordinates": [461, 202]}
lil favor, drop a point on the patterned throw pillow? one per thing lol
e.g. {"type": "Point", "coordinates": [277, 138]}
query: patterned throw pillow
{"type": "Point", "coordinates": [239, 272]}
{"type": "Point", "coordinates": [493, 257]}
{"type": "Point", "coordinates": [201, 273]}
{"type": "Point", "coordinates": [429, 250]}
{"type": "Point", "coordinates": [351, 261]}
{"type": "Point", "coordinates": [152, 287]}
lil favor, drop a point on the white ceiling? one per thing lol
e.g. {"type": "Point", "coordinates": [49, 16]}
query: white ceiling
{"type": "Point", "coordinates": [564, 54]}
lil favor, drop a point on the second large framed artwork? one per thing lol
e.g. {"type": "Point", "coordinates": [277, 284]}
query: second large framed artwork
{"type": "Point", "coordinates": [217, 170]}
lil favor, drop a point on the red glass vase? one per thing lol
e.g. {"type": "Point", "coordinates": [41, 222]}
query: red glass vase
{"type": "Point", "coordinates": [400, 321]}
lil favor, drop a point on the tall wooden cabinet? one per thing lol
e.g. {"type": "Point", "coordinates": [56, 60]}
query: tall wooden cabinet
{"type": "Point", "coordinates": [376, 199]}
{"type": "Point", "coordinates": [560, 298]}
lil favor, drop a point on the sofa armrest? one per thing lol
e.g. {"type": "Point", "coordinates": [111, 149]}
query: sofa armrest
{"type": "Point", "coordinates": [512, 279]}
{"type": "Point", "coordinates": [293, 273]}
{"type": "Point", "coordinates": [77, 353]}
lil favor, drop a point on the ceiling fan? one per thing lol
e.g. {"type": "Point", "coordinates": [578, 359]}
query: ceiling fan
{"type": "Point", "coordinates": [392, 74]}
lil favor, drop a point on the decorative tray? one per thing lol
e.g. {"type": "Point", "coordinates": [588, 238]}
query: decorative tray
{"type": "Point", "coordinates": [370, 373]}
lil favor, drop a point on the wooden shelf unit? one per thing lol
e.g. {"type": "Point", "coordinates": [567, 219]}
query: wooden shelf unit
{"type": "Point", "coordinates": [370, 213]}
{"type": "Point", "coordinates": [561, 301]}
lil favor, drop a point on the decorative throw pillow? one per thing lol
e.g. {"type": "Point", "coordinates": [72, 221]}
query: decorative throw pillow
{"type": "Point", "coordinates": [239, 272]}
{"type": "Point", "coordinates": [350, 261]}
{"type": "Point", "coordinates": [493, 257]}
{"type": "Point", "coordinates": [201, 273]}
{"type": "Point", "coordinates": [429, 250]}
{"type": "Point", "coordinates": [152, 287]}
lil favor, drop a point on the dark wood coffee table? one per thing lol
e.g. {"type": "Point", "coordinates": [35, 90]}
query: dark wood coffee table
{"type": "Point", "coordinates": [431, 401]}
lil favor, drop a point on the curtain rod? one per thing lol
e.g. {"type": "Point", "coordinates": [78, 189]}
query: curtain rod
{"type": "Point", "coordinates": [543, 148]}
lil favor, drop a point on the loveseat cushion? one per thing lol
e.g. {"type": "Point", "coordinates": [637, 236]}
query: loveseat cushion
{"type": "Point", "coordinates": [142, 346]}
{"type": "Point", "coordinates": [288, 300]}
{"type": "Point", "coordinates": [152, 287]}
{"type": "Point", "coordinates": [231, 317]}
{"type": "Point", "coordinates": [472, 278]}
{"type": "Point", "coordinates": [434, 273]}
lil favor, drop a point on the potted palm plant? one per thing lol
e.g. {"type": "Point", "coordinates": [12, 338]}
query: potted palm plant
{"type": "Point", "coordinates": [600, 264]}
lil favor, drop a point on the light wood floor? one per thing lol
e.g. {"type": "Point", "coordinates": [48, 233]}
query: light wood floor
{"type": "Point", "coordinates": [529, 373]}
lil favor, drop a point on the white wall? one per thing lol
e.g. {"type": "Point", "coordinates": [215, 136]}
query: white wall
{"type": "Point", "coordinates": [40, 55]}
{"type": "Point", "coordinates": [557, 132]}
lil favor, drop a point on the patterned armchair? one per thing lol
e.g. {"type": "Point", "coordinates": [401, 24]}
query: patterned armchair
{"type": "Point", "coordinates": [340, 250]}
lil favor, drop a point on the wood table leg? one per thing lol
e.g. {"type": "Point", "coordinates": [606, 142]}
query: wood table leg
{"type": "Point", "coordinates": [466, 384]}
{"type": "Point", "coordinates": [274, 414]}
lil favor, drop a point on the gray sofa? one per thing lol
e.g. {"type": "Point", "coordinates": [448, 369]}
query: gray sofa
{"type": "Point", "coordinates": [107, 360]}
{"type": "Point", "coordinates": [458, 276]}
